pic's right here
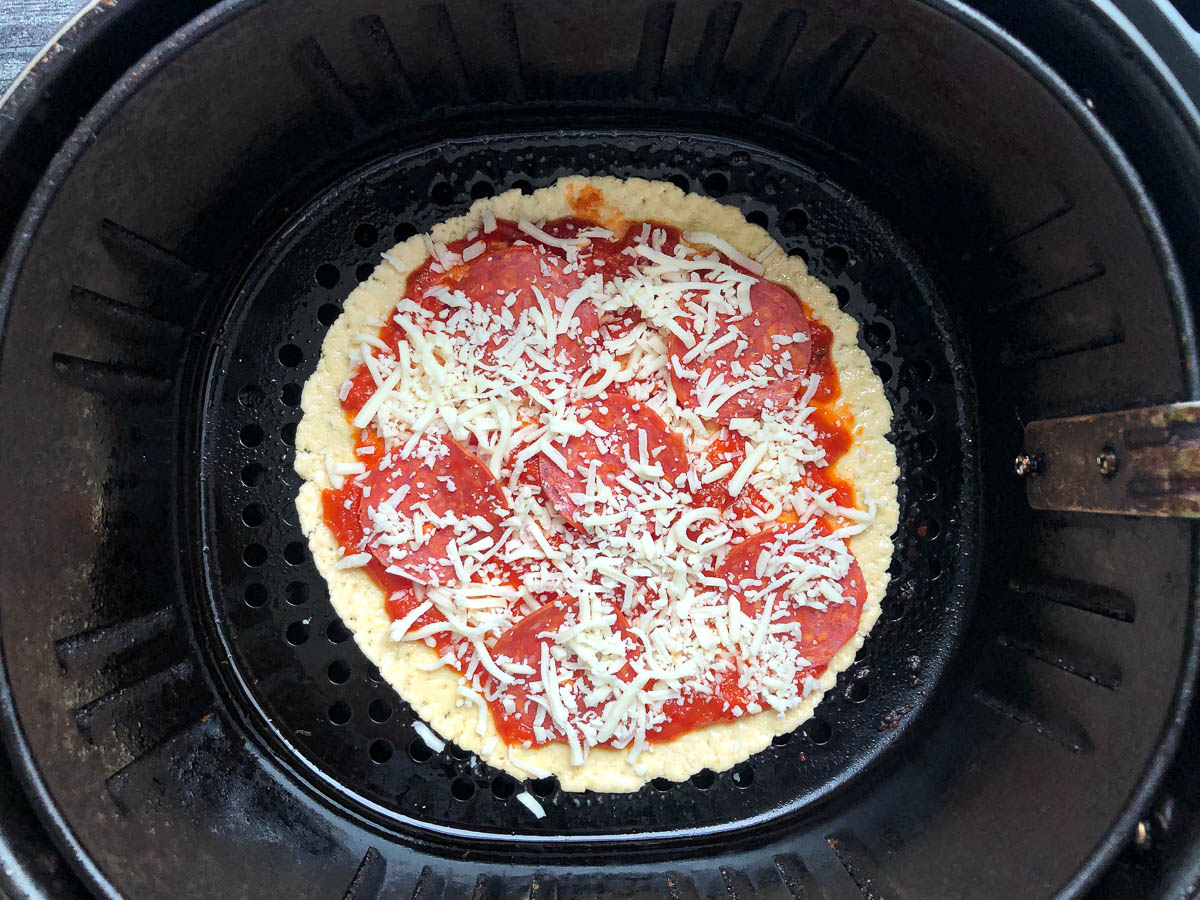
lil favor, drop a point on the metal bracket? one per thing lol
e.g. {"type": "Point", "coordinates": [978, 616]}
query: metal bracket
{"type": "Point", "coordinates": [1141, 462]}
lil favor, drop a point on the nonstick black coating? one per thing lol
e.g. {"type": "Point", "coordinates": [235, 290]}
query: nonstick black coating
{"type": "Point", "coordinates": [282, 644]}
{"type": "Point", "coordinates": [157, 719]}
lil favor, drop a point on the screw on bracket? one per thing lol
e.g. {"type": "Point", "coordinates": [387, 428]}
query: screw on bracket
{"type": "Point", "coordinates": [1107, 462]}
{"type": "Point", "coordinates": [1027, 464]}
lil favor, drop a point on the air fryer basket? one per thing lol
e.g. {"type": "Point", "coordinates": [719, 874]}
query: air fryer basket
{"type": "Point", "coordinates": [185, 710]}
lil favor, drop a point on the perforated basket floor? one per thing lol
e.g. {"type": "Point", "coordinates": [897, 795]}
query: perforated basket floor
{"type": "Point", "coordinates": [293, 663]}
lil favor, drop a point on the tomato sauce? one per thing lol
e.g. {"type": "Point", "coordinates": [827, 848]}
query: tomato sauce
{"type": "Point", "coordinates": [834, 428]}
{"type": "Point", "coordinates": [341, 511]}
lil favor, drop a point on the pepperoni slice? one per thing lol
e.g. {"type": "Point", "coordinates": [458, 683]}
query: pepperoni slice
{"type": "Point", "coordinates": [515, 271]}
{"type": "Point", "coordinates": [695, 709]}
{"type": "Point", "coordinates": [726, 448]}
{"type": "Point", "coordinates": [623, 422]}
{"type": "Point", "coordinates": [775, 311]}
{"type": "Point", "coordinates": [522, 644]}
{"type": "Point", "coordinates": [450, 480]}
{"type": "Point", "coordinates": [822, 632]}
{"type": "Point", "coordinates": [615, 326]}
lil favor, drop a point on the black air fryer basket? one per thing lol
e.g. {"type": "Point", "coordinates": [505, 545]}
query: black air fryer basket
{"type": "Point", "coordinates": [1005, 198]}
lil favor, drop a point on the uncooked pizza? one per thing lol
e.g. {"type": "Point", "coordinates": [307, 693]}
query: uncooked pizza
{"type": "Point", "coordinates": [599, 479]}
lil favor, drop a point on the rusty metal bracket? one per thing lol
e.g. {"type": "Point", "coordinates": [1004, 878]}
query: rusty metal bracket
{"type": "Point", "coordinates": [1142, 462]}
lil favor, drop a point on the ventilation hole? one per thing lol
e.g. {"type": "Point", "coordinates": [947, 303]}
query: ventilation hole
{"type": "Point", "coordinates": [290, 394]}
{"type": "Point", "coordinates": [716, 184]}
{"type": "Point", "coordinates": [795, 220]}
{"type": "Point", "coordinates": [366, 234]}
{"type": "Point", "coordinates": [929, 529]}
{"type": "Point", "coordinates": [802, 253]}
{"type": "Point", "coordinates": [934, 568]}
{"type": "Point", "coordinates": [373, 675]}
{"type": "Point", "coordinates": [503, 787]}
{"type": "Point", "coordinates": [294, 553]}
{"type": "Point", "coordinates": [380, 751]}
{"type": "Point", "coordinates": [929, 487]}
{"type": "Point", "coordinates": [252, 474]}
{"type": "Point", "coordinates": [337, 632]}
{"type": "Point", "coordinates": [818, 731]}
{"type": "Point", "coordinates": [544, 787]}
{"type": "Point", "coordinates": [459, 752]}
{"type": "Point", "coordinates": [883, 370]}
{"type": "Point", "coordinates": [296, 593]}
{"type": "Point", "coordinates": [758, 217]}
{"type": "Point", "coordinates": [925, 409]}
{"type": "Point", "coordinates": [338, 671]}
{"type": "Point", "coordinates": [836, 259]}
{"type": "Point", "coordinates": [403, 232]}
{"type": "Point", "coordinates": [782, 740]}
{"type": "Point", "coordinates": [704, 779]}
{"type": "Point", "coordinates": [250, 395]}
{"type": "Point", "coordinates": [418, 751]}
{"type": "Point", "coordinates": [255, 595]}
{"type": "Point", "coordinates": [379, 710]}
{"type": "Point", "coordinates": [327, 313]}
{"type": "Point", "coordinates": [922, 369]}
{"type": "Point", "coordinates": [254, 515]}
{"type": "Point", "coordinates": [290, 355]}
{"type": "Point", "coordinates": [878, 334]}
{"type": "Point", "coordinates": [743, 776]}
{"type": "Point", "coordinates": [363, 272]}
{"type": "Point", "coordinates": [662, 784]}
{"type": "Point", "coordinates": [296, 633]}
{"type": "Point", "coordinates": [481, 189]}
{"type": "Point", "coordinates": [442, 193]}
{"type": "Point", "coordinates": [251, 436]}
{"type": "Point", "coordinates": [254, 555]}
{"type": "Point", "coordinates": [462, 789]}
{"type": "Point", "coordinates": [327, 275]}
{"type": "Point", "coordinates": [339, 712]}
{"type": "Point", "coordinates": [857, 690]}
{"type": "Point", "coordinates": [522, 185]}
{"type": "Point", "coordinates": [287, 434]}
{"type": "Point", "coordinates": [927, 447]}
{"type": "Point", "coordinates": [841, 293]}
{"type": "Point", "coordinates": [680, 181]}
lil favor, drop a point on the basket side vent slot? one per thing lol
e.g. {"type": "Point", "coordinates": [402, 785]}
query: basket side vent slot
{"type": "Point", "coordinates": [367, 881]}
{"type": "Point", "coordinates": [718, 31]}
{"type": "Point", "coordinates": [323, 81]}
{"type": "Point", "coordinates": [384, 62]}
{"type": "Point", "coordinates": [116, 380]}
{"type": "Point", "coordinates": [777, 46]}
{"type": "Point", "coordinates": [1093, 598]}
{"type": "Point", "coordinates": [829, 72]}
{"type": "Point", "coordinates": [1054, 725]}
{"type": "Point", "coordinates": [863, 867]}
{"type": "Point", "coordinates": [656, 32]}
{"type": "Point", "coordinates": [96, 645]}
{"type": "Point", "coordinates": [797, 879]}
{"type": "Point", "coordinates": [136, 251]}
{"type": "Point", "coordinates": [1064, 655]}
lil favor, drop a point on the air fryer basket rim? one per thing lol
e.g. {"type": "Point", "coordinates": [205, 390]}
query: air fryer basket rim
{"type": "Point", "coordinates": [194, 31]}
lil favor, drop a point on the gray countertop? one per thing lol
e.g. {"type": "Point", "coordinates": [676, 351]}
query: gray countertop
{"type": "Point", "coordinates": [25, 26]}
